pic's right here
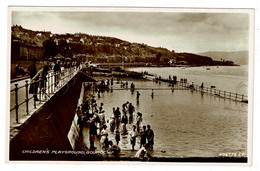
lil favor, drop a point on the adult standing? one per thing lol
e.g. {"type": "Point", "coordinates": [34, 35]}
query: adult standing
{"type": "Point", "coordinates": [137, 95]}
{"type": "Point", "coordinates": [112, 81]}
{"type": "Point", "coordinates": [150, 137]}
{"type": "Point", "coordinates": [85, 107]}
{"type": "Point", "coordinates": [131, 110]}
{"type": "Point", "coordinates": [32, 68]}
{"type": "Point", "coordinates": [92, 133]}
{"type": "Point", "coordinates": [80, 120]}
{"type": "Point", "coordinates": [139, 120]}
{"type": "Point", "coordinates": [33, 87]}
{"type": "Point", "coordinates": [133, 135]}
{"type": "Point", "coordinates": [57, 71]}
{"type": "Point", "coordinates": [143, 135]}
{"type": "Point", "coordinates": [117, 117]}
{"type": "Point", "coordinates": [43, 78]}
{"type": "Point", "coordinates": [124, 121]}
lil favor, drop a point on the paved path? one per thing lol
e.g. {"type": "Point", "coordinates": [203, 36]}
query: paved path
{"type": "Point", "coordinates": [22, 113]}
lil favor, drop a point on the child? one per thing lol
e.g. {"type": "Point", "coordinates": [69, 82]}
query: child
{"type": "Point", "coordinates": [117, 137]}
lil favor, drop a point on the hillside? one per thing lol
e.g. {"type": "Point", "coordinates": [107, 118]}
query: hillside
{"type": "Point", "coordinates": [98, 49]}
{"type": "Point", "coordinates": [238, 57]}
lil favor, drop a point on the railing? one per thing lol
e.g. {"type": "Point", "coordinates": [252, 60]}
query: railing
{"type": "Point", "coordinates": [53, 83]}
{"type": "Point", "coordinates": [209, 90]}
{"type": "Point", "coordinates": [216, 92]}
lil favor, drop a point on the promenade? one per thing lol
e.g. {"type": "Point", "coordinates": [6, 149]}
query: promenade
{"type": "Point", "coordinates": [23, 105]}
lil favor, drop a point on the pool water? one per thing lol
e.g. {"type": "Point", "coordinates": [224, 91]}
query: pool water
{"type": "Point", "coordinates": [185, 123]}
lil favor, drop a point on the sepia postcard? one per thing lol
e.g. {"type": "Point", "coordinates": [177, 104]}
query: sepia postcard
{"type": "Point", "coordinates": [132, 85]}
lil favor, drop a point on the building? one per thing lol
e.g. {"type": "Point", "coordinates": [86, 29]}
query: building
{"type": "Point", "coordinates": [26, 51]}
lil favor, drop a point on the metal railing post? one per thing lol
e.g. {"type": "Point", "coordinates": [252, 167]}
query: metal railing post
{"type": "Point", "coordinates": [45, 89]}
{"type": "Point", "coordinates": [27, 99]}
{"type": "Point", "coordinates": [51, 77]}
{"type": "Point", "coordinates": [34, 94]}
{"type": "Point", "coordinates": [48, 83]}
{"type": "Point", "coordinates": [40, 86]}
{"type": "Point", "coordinates": [16, 103]}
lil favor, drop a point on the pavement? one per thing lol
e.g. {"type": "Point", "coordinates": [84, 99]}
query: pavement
{"type": "Point", "coordinates": [22, 113]}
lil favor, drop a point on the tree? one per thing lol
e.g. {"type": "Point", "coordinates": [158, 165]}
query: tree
{"type": "Point", "coordinates": [50, 48]}
{"type": "Point", "coordinates": [158, 57]}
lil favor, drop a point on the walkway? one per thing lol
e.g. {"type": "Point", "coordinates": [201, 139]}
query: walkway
{"type": "Point", "coordinates": [24, 111]}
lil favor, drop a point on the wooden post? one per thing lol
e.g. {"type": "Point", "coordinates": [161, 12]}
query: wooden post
{"type": "Point", "coordinates": [224, 94]}
{"type": "Point", "coordinates": [230, 95]}
{"type": "Point", "coordinates": [243, 97]}
{"type": "Point", "coordinates": [27, 99]}
{"type": "Point", "coordinates": [16, 103]}
{"type": "Point", "coordinates": [236, 96]}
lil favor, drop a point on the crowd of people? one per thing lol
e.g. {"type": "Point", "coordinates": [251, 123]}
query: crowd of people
{"type": "Point", "coordinates": [39, 78]}
{"type": "Point", "coordinates": [122, 122]}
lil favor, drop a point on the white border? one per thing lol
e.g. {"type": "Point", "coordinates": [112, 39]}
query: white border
{"type": "Point", "coordinates": [184, 3]}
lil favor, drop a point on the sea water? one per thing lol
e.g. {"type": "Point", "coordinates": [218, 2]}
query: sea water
{"type": "Point", "coordinates": [226, 78]}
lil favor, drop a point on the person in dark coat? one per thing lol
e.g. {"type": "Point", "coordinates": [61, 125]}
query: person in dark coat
{"type": "Point", "coordinates": [117, 137]}
{"type": "Point", "coordinates": [43, 77]}
{"type": "Point", "coordinates": [33, 87]}
{"type": "Point", "coordinates": [19, 69]}
{"type": "Point", "coordinates": [117, 115]}
{"type": "Point", "coordinates": [131, 110]}
{"type": "Point", "coordinates": [85, 107]}
{"type": "Point", "coordinates": [143, 135]}
{"type": "Point", "coordinates": [92, 133]}
{"type": "Point", "coordinates": [33, 69]}
{"type": "Point", "coordinates": [137, 95]}
{"type": "Point", "coordinates": [150, 137]}
{"type": "Point", "coordinates": [57, 71]}
{"type": "Point", "coordinates": [124, 121]}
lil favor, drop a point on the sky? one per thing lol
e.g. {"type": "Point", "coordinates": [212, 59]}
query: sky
{"type": "Point", "coordinates": [178, 31]}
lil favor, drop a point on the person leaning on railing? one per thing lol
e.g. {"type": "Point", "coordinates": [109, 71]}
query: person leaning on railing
{"type": "Point", "coordinates": [43, 78]}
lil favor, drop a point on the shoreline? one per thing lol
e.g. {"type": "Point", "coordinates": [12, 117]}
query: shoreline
{"type": "Point", "coordinates": [111, 65]}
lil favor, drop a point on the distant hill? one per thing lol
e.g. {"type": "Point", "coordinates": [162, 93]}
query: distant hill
{"type": "Point", "coordinates": [100, 49]}
{"type": "Point", "coordinates": [238, 57]}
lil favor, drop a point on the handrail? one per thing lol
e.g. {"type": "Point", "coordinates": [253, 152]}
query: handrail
{"type": "Point", "coordinates": [212, 91]}
{"type": "Point", "coordinates": [217, 92]}
{"type": "Point", "coordinates": [54, 82]}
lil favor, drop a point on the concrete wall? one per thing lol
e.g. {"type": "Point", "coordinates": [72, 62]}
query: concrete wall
{"type": "Point", "coordinates": [47, 129]}
{"type": "Point", "coordinates": [74, 128]}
